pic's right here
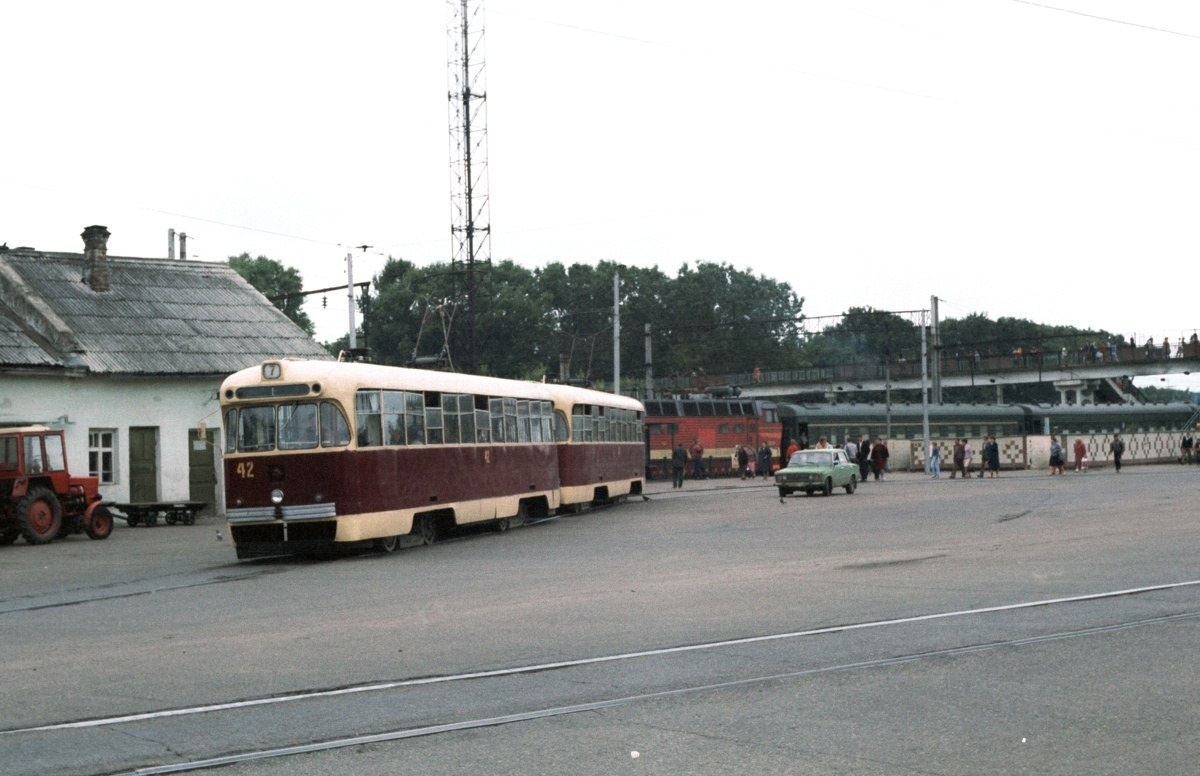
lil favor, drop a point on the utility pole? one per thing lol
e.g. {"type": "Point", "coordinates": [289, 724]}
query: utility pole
{"type": "Point", "coordinates": [617, 333]}
{"type": "Point", "coordinates": [936, 361]}
{"type": "Point", "coordinates": [470, 230]}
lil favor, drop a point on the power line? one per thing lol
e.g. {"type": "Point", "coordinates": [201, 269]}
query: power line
{"type": "Point", "coordinates": [1107, 19]}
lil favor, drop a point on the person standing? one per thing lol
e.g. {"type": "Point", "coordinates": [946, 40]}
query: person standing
{"type": "Point", "coordinates": [968, 454]}
{"type": "Point", "coordinates": [935, 461]}
{"type": "Point", "coordinates": [679, 459]}
{"type": "Point", "coordinates": [1185, 447]}
{"type": "Point", "coordinates": [1117, 448]}
{"type": "Point", "coordinates": [851, 449]}
{"type": "Point", "coordinates": [958, 456]}
{"type": "Point", "coordinates": [1080, 455]}
{"type": "Point", "coordinates": [991, 456]}
{"type": "Point", "coordinates": [864, 458]}
{"type": "Point", "coordinates": [764, 461]}
{"type": "Point", "coordinates": [879, 458]}
{"type": "Point", "coordinates": [1056, 457]}
{"type": "Point", "coordinates": [743, 461]}
{"type": "Point", "coordinates": [697, 459]}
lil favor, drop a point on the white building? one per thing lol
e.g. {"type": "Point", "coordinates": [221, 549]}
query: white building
{"type": "Point", "coordinates": [127, 355]}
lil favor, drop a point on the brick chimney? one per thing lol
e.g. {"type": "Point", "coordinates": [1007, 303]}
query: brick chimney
{"type": "Point", "coordinates": [95, 255]}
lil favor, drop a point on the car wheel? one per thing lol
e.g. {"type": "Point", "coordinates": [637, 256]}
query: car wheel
{"type": "Point", "coordinates": [851, 485]}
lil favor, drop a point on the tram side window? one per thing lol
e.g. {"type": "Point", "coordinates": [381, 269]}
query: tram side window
{"type": "Point", "coordinates": [414, 417]}
{"type": "Point", "coordinates": [433, 418]}
{"type": "Point", "coordinates": [496, 410]}
{"type": "Point", "coordinates": [451, 418]}
{"type": "Point", "coordinates": [335, 431]}
{"type": "Point", "coordinates": [367, 410]}
{"type": "Point", "coordinates": [231, 437]}
{"type": "Point", "coordinates": [600, 427]}
{"type": "Point", "coordinates": [483, 428]}
{"type": "Point", "coordinates": [561, 433]}
{"type": "Point", "coordinates": [524, 433]}
{"type": "Point", "coordinates": [393, 417]}
{"type": "Point", "coordinates": [581, 424]}
{"type": "Point", "coordinates": [297, 426]}
{"type": "Point", "coordinates": [510, 420]}
{"type": "Point", "coordinates": [256, 429]}
{"type": "Point", "coordinates": [466, 419]}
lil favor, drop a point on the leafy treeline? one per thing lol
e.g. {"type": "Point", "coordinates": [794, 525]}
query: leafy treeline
{"type": "Point", "coordinates": [556, 321]}
{"type": "Point", "coordinates": [708, 319]}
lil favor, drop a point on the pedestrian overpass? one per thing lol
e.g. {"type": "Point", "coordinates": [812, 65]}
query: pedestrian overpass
{"type": "Point", "coordinates": [1076, 376]}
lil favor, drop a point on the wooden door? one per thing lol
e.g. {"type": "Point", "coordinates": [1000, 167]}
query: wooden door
{"type": "Point", "coordinates": [143, 463]}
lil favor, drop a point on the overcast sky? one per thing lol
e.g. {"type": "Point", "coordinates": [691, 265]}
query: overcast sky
{"type": "Point", "coordinates": [1026, 159]}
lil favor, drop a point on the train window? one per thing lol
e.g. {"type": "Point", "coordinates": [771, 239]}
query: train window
{"type": "Point", "coordinates": [393, 417]}
{"type": "Point", "coordinates": [297, 426]}
{"type": "Point", "coordinates": [414, 418]}
{"type": "Point", "coordinates": [546, 420]}
{"type": "Point", "coordinates": [433, 425]}
{"type": "Point", "coordinates": [560, 427]}
{"type": "Point", "coordinates": [256, 429]}
{"type": "Point", "coordinates": [335, 431]}
{"type": "Point", "coordinates": [739, 428]}
{"type": "Point", "coordinates": [450, 426]}
{"type": "Point", "coordinates": [466, 419]}
{"type": "Point", "coordinates": [496, 410]}
{"type": "Point", "coordinates": [483, 430]}
{"type": "Point", "coordinates": [230, 431]}
{"type": "Point", "coordinates": [722, 428]}
{"type": "Point", "coordinates": [367, 413]}
{"type": "Point", "coordinates": [510, 420]}
{"type": "Point", "coordinates": [524, 433]}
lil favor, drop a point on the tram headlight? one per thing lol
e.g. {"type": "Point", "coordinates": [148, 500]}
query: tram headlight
{"type": "Point", "coordinates": [277, 497]}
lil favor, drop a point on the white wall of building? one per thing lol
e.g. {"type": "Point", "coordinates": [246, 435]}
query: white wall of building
{"type": "Point", "coordinates": [82, 404]}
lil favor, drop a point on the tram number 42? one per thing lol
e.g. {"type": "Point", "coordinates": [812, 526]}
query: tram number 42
{"type": "Point", "coordinates": [245, 470]}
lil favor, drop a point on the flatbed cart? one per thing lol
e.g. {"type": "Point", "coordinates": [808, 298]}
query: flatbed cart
{"type": "Point", "coordinates": [148, 512]}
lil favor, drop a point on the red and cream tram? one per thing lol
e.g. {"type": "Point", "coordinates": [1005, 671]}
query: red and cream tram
{"type": "Point", "coordinates": [323, 455]}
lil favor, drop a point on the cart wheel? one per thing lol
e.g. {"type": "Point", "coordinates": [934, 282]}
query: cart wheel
{"type": "Point", "coordinates": [189, 518]}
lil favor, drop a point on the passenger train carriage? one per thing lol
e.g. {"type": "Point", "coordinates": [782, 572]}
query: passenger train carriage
{"type": "Point", "coordinates": [327, 455]}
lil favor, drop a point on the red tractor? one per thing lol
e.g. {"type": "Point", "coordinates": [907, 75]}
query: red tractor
{"type": "Point", "coordinates": [39, 499]}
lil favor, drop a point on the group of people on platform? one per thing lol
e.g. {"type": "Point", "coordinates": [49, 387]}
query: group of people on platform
{"type": "Point", "coordinates": [872, 457]}
{"type": "Point", "coordinates": [962, 458]}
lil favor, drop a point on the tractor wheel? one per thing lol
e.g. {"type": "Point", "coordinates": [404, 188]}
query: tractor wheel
{"type": "Point", "coordinates": [40, 516]}
{"type": "Point", "coordinates": [101, 524]}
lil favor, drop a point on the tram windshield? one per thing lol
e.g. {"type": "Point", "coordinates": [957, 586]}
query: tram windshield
{"type": "Point", "coordinates": [286, 426]}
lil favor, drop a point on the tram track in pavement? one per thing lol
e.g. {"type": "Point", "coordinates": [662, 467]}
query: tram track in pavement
{"type": "Point", "coordinates": [169, 740]}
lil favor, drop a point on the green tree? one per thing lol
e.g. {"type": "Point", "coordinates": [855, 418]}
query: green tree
{"type": "Point", "coordinates": [282, 285]}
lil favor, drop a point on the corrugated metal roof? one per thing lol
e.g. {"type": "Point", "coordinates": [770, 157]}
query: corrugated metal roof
{"type": "Point", "coordinates": [160, 316]}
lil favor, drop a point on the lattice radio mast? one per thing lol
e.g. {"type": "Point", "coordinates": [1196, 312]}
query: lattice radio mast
{"type": "Point", "coordinates": [470, 227]}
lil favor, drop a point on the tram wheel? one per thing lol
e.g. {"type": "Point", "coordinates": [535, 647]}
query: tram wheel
{"type": "Point", "coordinates": [387, 544]}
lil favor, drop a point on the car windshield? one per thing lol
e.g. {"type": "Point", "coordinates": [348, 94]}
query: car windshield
{"type": "Point", "coordinates": [811, 458]}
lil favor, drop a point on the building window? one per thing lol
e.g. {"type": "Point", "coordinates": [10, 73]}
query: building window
{"type": "Point", "coordinates": [102, 454]}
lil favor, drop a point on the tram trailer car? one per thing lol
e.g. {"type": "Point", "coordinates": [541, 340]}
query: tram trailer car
{"type": "Point", "coordinates": [322, 456]}
{"type": "Point", "coordinates": [950, 421]}
{"type": "Point", "coordinates": [720, 425]}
